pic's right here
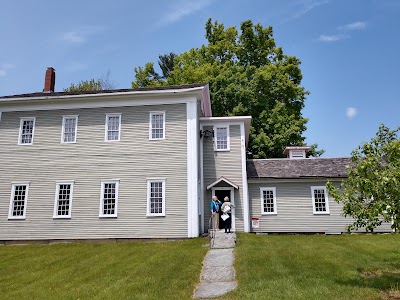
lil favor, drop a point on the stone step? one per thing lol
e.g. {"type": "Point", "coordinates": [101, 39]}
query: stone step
{"type": "Point", "coordinates": [215, 289]}
{"type": "Point", "coordinates": [217, 274]}
{"type": "Point", "coordinates": [219, 258]}
{"type": "Point", "coordinates": [223, 240]}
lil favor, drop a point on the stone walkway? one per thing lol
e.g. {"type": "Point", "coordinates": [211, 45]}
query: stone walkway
{"type": "Point", "coordinates": [218, 275]}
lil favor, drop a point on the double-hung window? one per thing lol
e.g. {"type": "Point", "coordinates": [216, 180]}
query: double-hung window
{"type": "Point", "coordinates": [109, 198]}
{"type": "Point", "coordinates": [63, 199]}
{"type": "Point", "coordinates": [320, 200]}
{"type": "Point", "coordinates": [26, 131]}
{"type": "Point", "coordinates": [18, 200]}
{"type": "Point", "coordinates": [221, 138]}
{"type": "Point", "coordinates": [268, 201]}
{"type": "Point", "coordinates": [156, 197]}
{"type": "Point", "coordinates": [157, 125]}
{"type": "Point", "coordinates": [113, 128]}
{"type": "Point", "coordinates": [69, 129]}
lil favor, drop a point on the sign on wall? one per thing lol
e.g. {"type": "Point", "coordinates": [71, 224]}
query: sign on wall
{"type": "Point", "coordinates": [255, 222]}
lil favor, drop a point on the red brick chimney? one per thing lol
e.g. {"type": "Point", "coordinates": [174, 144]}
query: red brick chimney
{"type": "Point", "coordinates": [49, 80]}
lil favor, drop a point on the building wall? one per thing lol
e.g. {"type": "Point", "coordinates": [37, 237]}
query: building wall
{"type": "Point", "coordinates": [226, 164]}
{"type": "Point", "coordinates": [89, 161]}
{"type": "Point", "coordinates": [295, 208]}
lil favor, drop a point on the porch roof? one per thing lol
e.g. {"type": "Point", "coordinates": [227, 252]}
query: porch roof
{"type": "Point", "coordinates": [222, 178]}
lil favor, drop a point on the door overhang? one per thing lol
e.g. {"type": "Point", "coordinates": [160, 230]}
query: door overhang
{"type": "Point", "coordinates": [222, 179]}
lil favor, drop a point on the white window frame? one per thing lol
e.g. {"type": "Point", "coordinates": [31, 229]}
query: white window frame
{"type": "Point", "coordinates": [11, 207]}
{"type": "Point", "coordinates": [149, 181]}
{"type": "Point", "coordinates": [21, 122]}
{"type": "Point", "coordinates": [216, 137]}
{"type": "Point", "coordinates": [101, 212]}
{"type": "Point", "coordinates": [151, 114]}
{"type": "Point", "coordinates": [326, 212]}
{"type": "Point", "coordinates": [55, 212]}
{"type": "Point", "coordinates": [63, 129]}
{"type": "Point", "coordinates": [273, 189]}
{"type": "Point", "coordinates": [106, 127]}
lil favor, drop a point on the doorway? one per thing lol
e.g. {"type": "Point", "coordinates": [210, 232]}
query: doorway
{"type": "Point", "coordinates": [221, 193]}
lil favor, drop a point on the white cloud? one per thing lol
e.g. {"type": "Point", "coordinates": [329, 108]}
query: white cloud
{"type": "Point", "coordinates": [333, 38]}
{"type": "Point", "coordinates": [342, 36]}
{"type": "Point", "coordinates": [81, 34]}
{"type": "Point", "coordinates": [351, 112]}
{"type": "Point", "coordinates": [4, 68]}
{"type": "Point", "coordinates": [353, 26]}
{"type": "Point", "coordinates": [180, 10]}
{"type": "Point", "coordinates": [73, 37]}
{"type": "Point", "coordinates": [305, 7]}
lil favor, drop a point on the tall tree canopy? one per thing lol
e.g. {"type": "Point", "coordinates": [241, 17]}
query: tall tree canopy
{"type": "Point", "coordinates": [248, 75]}
{"type": "Point", "coordinates": [371, 194]}
{"type": "Point", "coordinates": [103, 83]}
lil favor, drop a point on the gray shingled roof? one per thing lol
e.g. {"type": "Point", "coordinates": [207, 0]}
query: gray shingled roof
{"type": "Point", "coordinates": [297, 168]}
{"type": "Point", "coordinates": [41, 94]}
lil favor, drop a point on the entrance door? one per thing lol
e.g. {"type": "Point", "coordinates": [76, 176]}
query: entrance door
{"type": "Point", "coordinates": [221, 193]}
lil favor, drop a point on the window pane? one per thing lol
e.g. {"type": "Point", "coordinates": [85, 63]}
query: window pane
{"type": "Point", "coordinates": [64, 199]}
{"type": "Point", "coordinates": [19, 200]}
{"type": "Point", "coordinates": [109, 199]}
{"type": "Point", "coordinates": [69, 130]}
{"type": "Point", "coordinates": [157, 126]}
{"type": "Point", "coordinates": [27, 132]}
{"type": "Point", "coordinates": [156, 197]}
{"type": "Point", "coordinates": [319, 198]}
{"type": "Point", "coordinates": [268, 201]}
{"type": "Point", "coordinates": [113, 128]}
{"type": "Point", "coordinates": [222, 138]}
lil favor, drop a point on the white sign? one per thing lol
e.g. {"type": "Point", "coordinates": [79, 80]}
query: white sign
{"type": "Point", "coordinates": [255, 222]}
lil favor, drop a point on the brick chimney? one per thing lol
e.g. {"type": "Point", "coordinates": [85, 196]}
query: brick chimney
{"type": "Point", "coordinates": [49, 80]}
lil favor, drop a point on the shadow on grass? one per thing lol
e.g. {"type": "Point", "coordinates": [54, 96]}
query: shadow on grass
{"type": "Point", "coordinates": [387, 281]}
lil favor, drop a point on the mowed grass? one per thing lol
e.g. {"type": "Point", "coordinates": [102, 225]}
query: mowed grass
{"type": "Point", "coordinates": [317, 267]}
{"type": "Point", "coordinates": [126, 270]}
{"type": "Point", "coordinates": [267, 267]}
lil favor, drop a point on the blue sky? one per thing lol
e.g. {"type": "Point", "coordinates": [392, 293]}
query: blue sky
{"type": "Point", "coordinates": [349, 50]}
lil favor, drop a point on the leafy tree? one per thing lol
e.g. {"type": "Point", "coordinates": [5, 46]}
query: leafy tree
{"type": "Point", "coordinates": [371, 194]}
{"type": "Point", "coordinates": [103, 83]}
{"type": "Point", "coordinates": [248, 75]}
{"type": "Point", "coordinates": [146, 77]}
{"type": "Point", "coordinates": [166, 63]}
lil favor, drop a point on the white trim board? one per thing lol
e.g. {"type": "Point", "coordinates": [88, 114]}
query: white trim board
{"type": "Point", "coordinates": [192, 170]}
{"type": "Point", "coordinates": [202, 209]}
{"type": "Point", "coordinates": [246, 203]}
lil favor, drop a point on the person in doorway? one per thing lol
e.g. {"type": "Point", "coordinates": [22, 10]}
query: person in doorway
{"type": "Point", "coordinates": [226, 208]}
{"type": "Point", "coordinates": [215, 206]}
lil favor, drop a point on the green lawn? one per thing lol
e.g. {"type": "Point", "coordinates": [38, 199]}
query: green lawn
{"type": "Point", "coordinates": [317, 267]}
{"type": "Point", "coordinates": [127, 270]}
{"type": "Point", "coordinates": [267, 267]}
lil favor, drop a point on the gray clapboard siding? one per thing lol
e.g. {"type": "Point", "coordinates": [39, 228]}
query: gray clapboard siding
{"type": "Point", "coordinates": [227, 164]}
{"type": "Point", "coordinates": [295, 209]}
{"type": "Point", "coordinates": [89, 161]}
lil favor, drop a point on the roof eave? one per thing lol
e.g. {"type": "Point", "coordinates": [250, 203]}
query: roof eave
{"type": "Point", "coordinates": [198, 91]}
{"type": "Point", "coordinates": [297, 177]}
